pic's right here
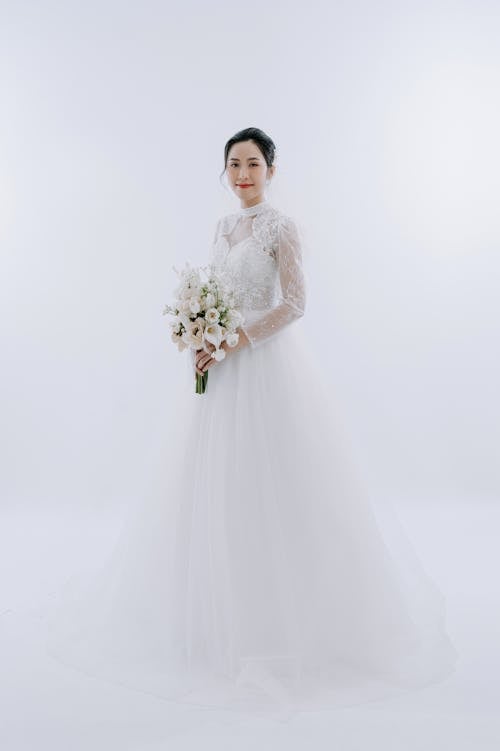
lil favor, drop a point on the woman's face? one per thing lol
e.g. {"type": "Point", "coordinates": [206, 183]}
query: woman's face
{"type": "Point", "coordinates": [246, 166]}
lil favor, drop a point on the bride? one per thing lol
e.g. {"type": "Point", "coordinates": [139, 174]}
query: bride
{"type": "Point", "coordinates": [260, 577]}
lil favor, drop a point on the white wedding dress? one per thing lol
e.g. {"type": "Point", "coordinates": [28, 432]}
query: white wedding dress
{"type": "Point", "coordinates": [259, 578]}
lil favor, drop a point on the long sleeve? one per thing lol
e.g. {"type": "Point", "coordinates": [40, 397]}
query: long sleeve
{"type": "Point", "coordinates": [291, 302]}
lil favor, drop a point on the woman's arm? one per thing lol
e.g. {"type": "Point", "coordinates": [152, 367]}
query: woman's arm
{"type": "Point", "coordinates": [291, 304]}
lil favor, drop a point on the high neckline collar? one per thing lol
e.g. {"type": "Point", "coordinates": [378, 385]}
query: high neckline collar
{"type": "Point", "coordinates": [256, 209]}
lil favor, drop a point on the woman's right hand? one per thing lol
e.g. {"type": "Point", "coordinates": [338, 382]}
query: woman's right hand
{"type": "Point", "coordinates": [203, 359]}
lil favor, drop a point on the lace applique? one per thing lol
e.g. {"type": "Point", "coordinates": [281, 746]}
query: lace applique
{"type": "Point", "coordinates": [265, 269]}
{"type": "Point", "coordinates": [265, 230]}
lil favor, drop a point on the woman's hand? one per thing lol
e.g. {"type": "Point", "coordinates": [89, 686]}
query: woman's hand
{"type": "Point", "coordinates": [204, 360]}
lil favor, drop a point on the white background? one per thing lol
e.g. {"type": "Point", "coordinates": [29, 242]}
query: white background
{"type": "Point", "coordinates": [113, 121]}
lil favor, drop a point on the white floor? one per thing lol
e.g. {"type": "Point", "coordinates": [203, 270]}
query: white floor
{"type": "Point", "coordinates": [46, 707]}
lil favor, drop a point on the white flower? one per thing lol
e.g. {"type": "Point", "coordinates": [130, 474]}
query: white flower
{"type": "Point", "coordinates": [210, 300]}
{"type": "Point", "coordinates": [213, 334]}
{"type": "Point", "coordinates": [178, 340]}
{"type": "Point", "coordinates": [231, 319]}
{"type": "Point", "coordinates": [176, 326]}
{"type": "Point", "coordinates": [194, 305]}
{"type": "Point", "coordinates": [193, 336]}
{"type": "Point", "coordinates": [212, 315]}
{"type": "Point", "coordinates": [219, 354]}
{"type": "Point", "coordinates": [232, 339]}
{"type": "Point", "coordinates": [184, 319]}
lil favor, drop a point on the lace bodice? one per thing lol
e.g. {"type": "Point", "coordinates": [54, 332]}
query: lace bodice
{"type": "Point", "coordinates": [260, 248]}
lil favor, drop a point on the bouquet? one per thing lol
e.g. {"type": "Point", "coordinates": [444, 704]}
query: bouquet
{"type": "Point", "coordinates": [204, 311]}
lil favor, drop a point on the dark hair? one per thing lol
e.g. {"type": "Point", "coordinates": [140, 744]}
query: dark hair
{"type": "Point", "coordinates": [263, 141]}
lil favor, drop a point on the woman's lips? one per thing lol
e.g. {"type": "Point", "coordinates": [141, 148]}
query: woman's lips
{"type": "Point", "coordinates": [249, 185]}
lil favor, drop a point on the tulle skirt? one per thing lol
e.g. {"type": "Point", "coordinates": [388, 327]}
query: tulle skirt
{"type": "Point", "coordinates": [257, 575]}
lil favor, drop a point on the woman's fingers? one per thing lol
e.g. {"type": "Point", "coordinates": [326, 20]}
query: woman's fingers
{"type": "Point", "coordinates": [207, 363]}
{"type": "Point", "coordinates": [204, 360]}
{"type": "Point", "coordinates": [201, 361]}
{"type": "Point", "coordinates": [203, 368]}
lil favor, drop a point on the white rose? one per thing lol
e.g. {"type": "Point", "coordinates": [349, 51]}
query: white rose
{"type": "Point", "coordinates": [234, 319]}
{"type": "Point", "coordinates": [212, 315]}
{"type": "Point", "coordinates": [176, 326]}
{"type": "Point", "coordinates": [232, 339]}
{"type": "Point", "coordinates": [193, 336]}
{"type": "Point", "coordinates": [179, 341]}
{"type": "Point", "coordinates": [194, 305]}
{"type": "Point", "coordinates": [184, 319]}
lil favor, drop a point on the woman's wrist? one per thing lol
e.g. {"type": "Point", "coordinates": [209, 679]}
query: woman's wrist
{"type": "Point", "coordinates": [243, 340]}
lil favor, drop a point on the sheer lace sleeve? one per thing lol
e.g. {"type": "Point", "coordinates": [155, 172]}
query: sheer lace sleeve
{"type": "Point", "coordinates": [291, 301]}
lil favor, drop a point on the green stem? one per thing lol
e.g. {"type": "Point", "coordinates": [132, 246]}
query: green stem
{"type": "Point", "coordinates": [201, 382]}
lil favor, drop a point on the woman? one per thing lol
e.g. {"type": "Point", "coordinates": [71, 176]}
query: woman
{"type": "Point", "coordinates": [260, 579]}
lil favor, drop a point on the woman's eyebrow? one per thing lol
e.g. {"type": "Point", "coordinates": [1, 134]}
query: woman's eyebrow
{"type": "Point", "coordinates": [235, 159]}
